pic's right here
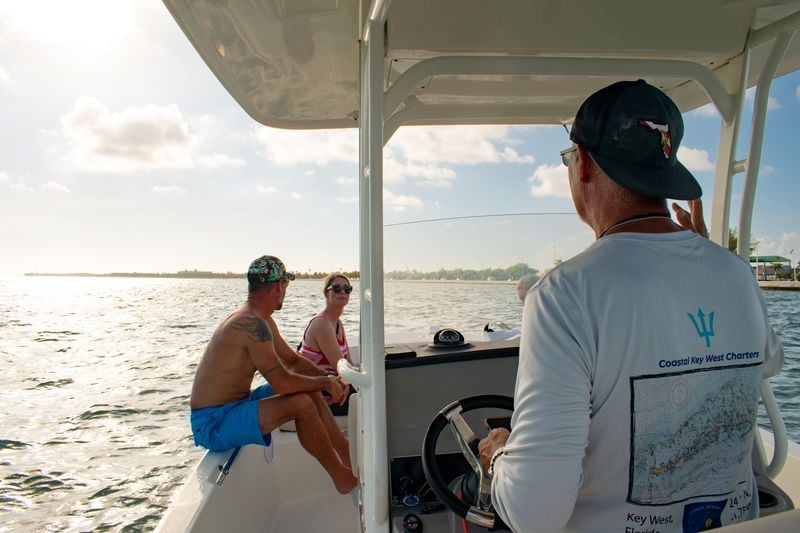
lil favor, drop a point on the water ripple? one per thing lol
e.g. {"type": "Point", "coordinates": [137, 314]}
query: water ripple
{"type": "Point", "coordinates": [115, 412]}
{"type": "Point", "coordinates": [54, 383]}
{"type": "Point", "coordinates": [12, 444]}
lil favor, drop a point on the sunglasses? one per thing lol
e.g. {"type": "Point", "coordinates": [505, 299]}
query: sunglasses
{"type": "Point", "coordinates": [566, 155]}
{"type": "Point", "coordinates": [338, 289]}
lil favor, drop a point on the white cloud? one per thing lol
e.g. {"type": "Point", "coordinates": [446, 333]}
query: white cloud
{"type": "Point", "coordinates": [400, 202]}
{"type": "Point", "coordinates": [54, 187]}
{"type": "Point", "coordinates": [783, 245]}
{"type": "Point", "coordinates": [316, 147]}
{"type": "Point", "coordinates": [219, 161]}
{"type": "Point", "coordinates": [266, 189]}
{"type": "Point", "coordinates": [5, 77]}
{"type": "Point", "coordinates": [772, 102]}
{"type": "Point", "coordinates": [347, 199]}
{"type": "Point", "coordinates": [418, 154]}
{"type": "Point", "coordinates": [695, 159]}
{"type": "Point", "coordinates": [429, 175]}
{"type": "Point", "coordinates": [766, 170]}
{"type": "Point", "coordinates": [797, 92]}
{"type": "Point", "coordinates": [708, 110]}
{"type": "Point", "coordinates": [458, 145]}
{"type": "Point", "coordinates": [345, 180]}
{"type": "Point", "coordinates": [550, 180]}
{"type": "Point", "coordinates": [165, 189]}
{"type": "Point", "coordinates": [296, 195]}
{"type": "Point", "coordinates": [309, 173]}
{"type": "Point", "coordinates": [144, 138]}
{"type": "Point", "coordinates": [135, 139]}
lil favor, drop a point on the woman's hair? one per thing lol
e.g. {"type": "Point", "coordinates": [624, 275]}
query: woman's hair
{"type": "Point", "coordinates": [329, 279]}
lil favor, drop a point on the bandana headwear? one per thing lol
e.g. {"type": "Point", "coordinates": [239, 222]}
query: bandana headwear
{"type": "Point", "coordinates": [633, 130]}
{"type": "Point", "coordinates": [267, 269]}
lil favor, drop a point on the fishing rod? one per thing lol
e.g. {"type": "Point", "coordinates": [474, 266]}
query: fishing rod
{"type": "Point", "coordinates": [490, 215]}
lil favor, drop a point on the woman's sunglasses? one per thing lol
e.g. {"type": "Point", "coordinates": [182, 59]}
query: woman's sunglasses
{"type": "Point", "coordinates": [338, 289]}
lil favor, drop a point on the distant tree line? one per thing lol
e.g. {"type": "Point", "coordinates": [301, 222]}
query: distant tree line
{"type": "Point", "coordinates": [351, 275]}
{"type": "Point", "coordinates": [511, 273]}
{"type": "Point", "coordinates": [514, 272]}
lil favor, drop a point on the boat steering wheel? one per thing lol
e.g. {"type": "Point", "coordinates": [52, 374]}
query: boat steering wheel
{"type": "Point", "coordinates": [481, 512]}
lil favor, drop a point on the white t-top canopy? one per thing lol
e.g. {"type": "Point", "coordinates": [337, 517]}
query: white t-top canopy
{"type": "Point", "coordinates": [295, 63]}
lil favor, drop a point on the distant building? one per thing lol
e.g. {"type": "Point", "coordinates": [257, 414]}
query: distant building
{"type": "Point", "coordinates": [772, 267]}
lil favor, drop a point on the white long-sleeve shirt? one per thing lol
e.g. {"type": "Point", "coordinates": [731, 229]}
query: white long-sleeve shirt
{"type": "Point", "coordinates": [635, 403]}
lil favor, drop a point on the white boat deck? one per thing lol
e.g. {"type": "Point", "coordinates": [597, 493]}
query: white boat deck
{"type": "Point", "coordinates": [293, 494]}
{"type": "Point", "coordinates": [290, 494]}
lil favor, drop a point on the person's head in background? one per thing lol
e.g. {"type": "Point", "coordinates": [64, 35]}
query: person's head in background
{"type": "Point", "coordinates": [524, 284]}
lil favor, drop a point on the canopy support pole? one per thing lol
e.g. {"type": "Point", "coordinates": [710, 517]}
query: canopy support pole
{"type": "Point", "coordinates": [375, 476]}
{"type": "Point", "coordinates": [757, 139]}
{"type": "Point", "coordinates": [727, 165]}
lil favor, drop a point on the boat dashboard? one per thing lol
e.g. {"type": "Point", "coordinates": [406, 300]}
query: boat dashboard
{"type": "Point", "coordinates": [420, 381]}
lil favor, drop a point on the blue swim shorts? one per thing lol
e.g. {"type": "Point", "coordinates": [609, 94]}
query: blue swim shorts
{"type": "Point", "coordinates": [222, 427]}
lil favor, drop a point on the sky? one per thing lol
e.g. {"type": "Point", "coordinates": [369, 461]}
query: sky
{"type": "Point", "coordinates": [121, 152]}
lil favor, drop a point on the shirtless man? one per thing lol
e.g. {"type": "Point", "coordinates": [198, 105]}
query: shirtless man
{"type": "Point", "coordinates": [226, 413]}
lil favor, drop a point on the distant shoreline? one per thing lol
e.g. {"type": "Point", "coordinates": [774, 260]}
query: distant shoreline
{"type": "Point", "coordinates": [189, 274]}
{"type": "Point", "coordinates": [199, 274]}
{"type": "Point", "coordinates": [472, 281]}
{"type": "Point", "coordinates": [779, 285]}
{"type": "Point", "coordinates": [232, 275]}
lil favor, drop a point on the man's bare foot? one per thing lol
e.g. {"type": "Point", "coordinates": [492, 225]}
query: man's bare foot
{"type": "Point", "coordinates": [346, 484]}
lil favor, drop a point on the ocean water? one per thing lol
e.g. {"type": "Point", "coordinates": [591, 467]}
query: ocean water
{"type": "Point", "coordinates": [96, 374]}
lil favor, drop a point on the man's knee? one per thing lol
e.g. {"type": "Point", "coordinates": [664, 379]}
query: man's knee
{"type": "Point", "coordinates": [302, 403]}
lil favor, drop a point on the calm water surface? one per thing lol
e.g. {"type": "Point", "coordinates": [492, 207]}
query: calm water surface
{"type": "Point", "coordinates": [94, 430]}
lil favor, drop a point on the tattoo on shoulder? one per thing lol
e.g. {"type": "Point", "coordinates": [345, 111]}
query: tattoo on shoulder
{"type": "Point", "coordinates": [254, 327]}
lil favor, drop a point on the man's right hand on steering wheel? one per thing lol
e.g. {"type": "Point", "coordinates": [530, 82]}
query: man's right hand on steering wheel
{"type": "Point", "coordinates": [487, 447]}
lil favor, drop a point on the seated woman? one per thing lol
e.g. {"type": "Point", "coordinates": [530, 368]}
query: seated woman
{"type": "Point", "coordinates": [324, 341]}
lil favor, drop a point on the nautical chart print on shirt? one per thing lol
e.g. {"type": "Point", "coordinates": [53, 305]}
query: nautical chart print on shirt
{"type": "Point", "coordinates": [688, 429]}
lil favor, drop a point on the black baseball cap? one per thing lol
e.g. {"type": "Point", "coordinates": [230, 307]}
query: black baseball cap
{"type": "Point", "coordinates": [632, 131]}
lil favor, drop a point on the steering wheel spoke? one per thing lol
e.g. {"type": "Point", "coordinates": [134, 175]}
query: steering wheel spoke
{"type": "Point", "coordinates": [465, 438]}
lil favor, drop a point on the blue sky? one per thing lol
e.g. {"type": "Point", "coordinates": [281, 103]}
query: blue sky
{"type": "Point", "coordinates": [122, 152]}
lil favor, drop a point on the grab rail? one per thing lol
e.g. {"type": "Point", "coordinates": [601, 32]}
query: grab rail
{"type": "Point", "coordinates": [780, 438]}
{"type": "Point", "coordinates": [352, 374]}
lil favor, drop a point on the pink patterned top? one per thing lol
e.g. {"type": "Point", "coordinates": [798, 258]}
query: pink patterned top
{"type": "Point", "coordinates": [317, 356]}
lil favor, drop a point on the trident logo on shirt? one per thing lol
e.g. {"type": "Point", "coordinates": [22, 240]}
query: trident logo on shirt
{"type": "Point", "coordinates": [706, 332]}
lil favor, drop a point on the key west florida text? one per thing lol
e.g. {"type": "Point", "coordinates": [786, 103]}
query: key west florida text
{"type": "Point", "coordinates": [687, 454]}
{"type": "Point", "coordinates": [644, 382]}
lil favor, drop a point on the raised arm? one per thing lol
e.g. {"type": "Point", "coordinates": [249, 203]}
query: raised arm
{"type": "Point", "coordinates": [693, 219]}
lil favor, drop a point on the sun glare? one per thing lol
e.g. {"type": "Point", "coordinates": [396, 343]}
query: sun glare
{"type": "Point", "coordinates": [82, 26]}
